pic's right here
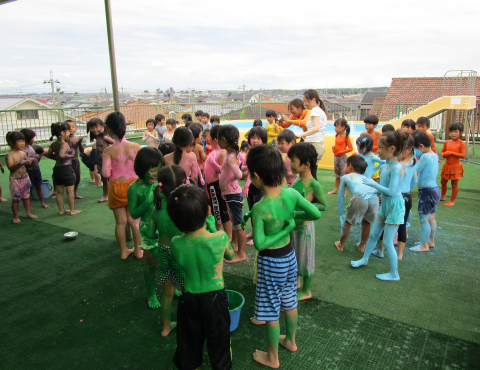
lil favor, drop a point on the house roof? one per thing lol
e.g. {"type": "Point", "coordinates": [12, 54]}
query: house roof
{"type": "Point", "coordinates": [6, 103]}
{"type": "Point", "coordinates": [239, 96]}
{"type": "Point", "coordinates": [370, 96]}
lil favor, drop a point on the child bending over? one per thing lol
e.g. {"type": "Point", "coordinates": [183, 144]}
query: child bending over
{"type": "Point", "coordinates": [203, 307]}
{"type": "Point", "coordinates": [273, 219]}
{"type": "Point", "coordinates": [343, 145]}
{"type": "Point", "coordinates": [303, 157]}
{"type": "Point", "coordinates": [286, 139]}
{"type": "Point", "coordinates": [19, 182]}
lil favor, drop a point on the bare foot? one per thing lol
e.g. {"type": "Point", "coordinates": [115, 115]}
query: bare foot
{"type": "Point", "coordinates": [250, 242]}
{"type": "Point", "coordinates": [153, 302]}
{"type": "Point", "coordinates": [443, 198]}
{"type": "Point", "coordinates": [167, 329]}
{"type": "Point", "coordinates": [361, 248]}
{"type": "Point", "coordinates": [78, 197]}
{"type": "Point", "coordinates": [92, 180]}
{"type": "Point", "coordinates": [291, 346]}
{"type": "Point", "coordinates": [124, 255]}
{"type": "Point", "coordinates": [262, 358]}
{"type": "Point", "coordinates": [257, 322]}
{"type": "Point", "coordinates": [299, 285]}
{"type": "Point", "coordinates": [338, 246]}
{"type": "Point", "coordinates": [64, 211]}
{"type": "Point", "coordinates": [334, 191]}
{"type": "Point", "coordinates": [3, 200]}
{"type": "Point", "coordinates": [249, 236]}
{"type": "Point", "coordinates": [431, 245]}
{"type": "Point", "coordinates": [138, 253]}
{"type": "Point", "coordinates": [45, 206]}
{"type": "Point", "coordinates": [76, 212]}
{"type": "Point", "coordinates": [400, 257]}
{"type": "Point", "coordinates": [302, 296]}
{"type": "Point", "coordinates": [237, 258]}
{"type": "Point", "coordinates": [103, 199]}
{"type": "Point", "coordinates": [33, 217]}
{"type": "Point", "coordinates": [32, 209]}
{"type": "Point", "coordinates": [449, 204]}
{"type": "Point", "coordinates": [420, 248]}
{"type": "Point", "coordinates": [16, 221]}
{"type": "Point", "coordinates": [100, 184]}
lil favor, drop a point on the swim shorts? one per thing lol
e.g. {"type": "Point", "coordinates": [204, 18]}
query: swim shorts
{"type": "Point", "coordinates": [361, 208]}
{"type": "Point", "coordinates": [339, 165]}
{"type": "Point", "coordinates": [303, 243]}
{"type": "Point", "coordinates": [117, 193]}
{"type": "Point", "coordinates": [392, 210]}
{"type": "Point", "coordinates": [168, 268]}
{"type": "Point", "coordinates": [428, 199]}
{"type": "Point", "coordinates": [35, 177]}
{"type": "Point", "coordinates": [63, 175]}
{"type": "Point", "coordinates": [20, 187]}
{"type": "Point", "coordinates": [217, 203]}
{"type": "Point", "coordinates": [235, 207]}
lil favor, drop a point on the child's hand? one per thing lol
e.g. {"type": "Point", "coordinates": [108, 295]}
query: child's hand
{"type": "Point", "coordinates": [290, 225]}
{"type": "Point", "coordinates": [245, 191]}
{"type": "Point", "coordinates": [211, 227]}
{"type": "Point", "coordinates": [369, 182]}
{"type": "Point", "coordinates": [245, 218]}
{"type": "Point", "coordinates": [342, 219]}
{"type": "Point", "coordinates": [369, 195]}
{"type": "Point", "coordinates": [446, 154]}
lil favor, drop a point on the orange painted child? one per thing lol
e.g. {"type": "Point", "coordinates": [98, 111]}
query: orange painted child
{"type": "Point", "coordinates": [423, 124]}
{"type": "Point", "coordinates": [408, 126]}
{"type": "Point", "coordinates": [453, 170]}
{"type": "Point", "coordinates": [343, 145]}
{"type": "Point", "coordinates": [371, 122]}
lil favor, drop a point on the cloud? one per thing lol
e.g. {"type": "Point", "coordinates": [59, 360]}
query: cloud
{"type": "Point", "coordinates": [18, 58]}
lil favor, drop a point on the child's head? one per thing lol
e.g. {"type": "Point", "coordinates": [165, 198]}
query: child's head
{"type": "Point", "coordinates": [371, 121]}
{"type": "Point", "coordinates": [341, 125]}
{"type": "Point", "coordinates": [198, 115]}
{"type": "Point", "coordinates": [244, 147]}
{"type": "Point", "coordinates": [146, 164]}
{"type": "Point", "coordinates": [188, 123]}
{"type": "Point", "coordinates": [151, 123]}
{"type": "Point", "coordinates": [29, 135]}
{"type": "Point", "coordinates": [408, 126]}
{"type": "Point", "coordinates": [258, 122]}
{"type": "Point", "coordinates": [364, 144]}
{"type": "Point", "coordinates": [15, 139]}
{"type": "Point", "coordinates": [423, 124]}
{"type": "Point", "coordinates": [257, 136]}
{"type": "Point", "coordinates": [169, 178]}
{"type": "Point", "coordinates": [188, 208]}
{"type": "Point", "coordinates": [196, 129]}
{"type": "Point", "coordinates": [206, 136]}
{"type": "Point", "coordinates": [355, 163]}
{"type": "Point", "coordinates": [186, 117]}
{"type": "Point", "coordinates": [285, 140]}
{"type": "Point", "coordinates": [115, 122]}
{"type": "Point", "coordinates": [214, 136]}
{"type": "Point", "coordinates": [60, 129]}
{"type": "Point", "coordinates": [171, 124]}
{"type": "Point", "coordinates": [160, 119]}
{"type": "Point", "coordinates": [408, 148]}
{"type": "Point", "coordinates": [183, 140]}
{"type": "Point", "coordinates": [228, 137]}
{"type": "Point", "coordinates": [205, 117]}
{"type": "Point", "coordinates": [95, 126]}
{"type": "Point", "coordinates": [421, 139]}
{"type": "Point", "coordinates": [266, 165]}
{"type": "Point", "coordinates": [271, 115]}
{"type": "Point", "coordinates": [455, 130]}
{"type": "Point", "coordinates": [166, 148]}
{"type": "Point", "coordinates": [303, 156]}
{"type": "Point", "coordinates": [38, 149]}
{"type": "Point", "coordinates": [73, 126]}
{"type": "Point", "coordinates": [387, 127]}
{"type": "Point", "coordinates": [391, 144]}
{"type": "Point", "coordinates": [215, 119]}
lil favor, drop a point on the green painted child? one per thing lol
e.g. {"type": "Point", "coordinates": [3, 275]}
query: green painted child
{"type": "Point", "coordinates": [140, 205]}
{"type": "Point", "coordinates": [203, 307]}
{"type": "Point", "coordinates": [303, 158]}
{"type": "Point", "coordinates": [273, 220]}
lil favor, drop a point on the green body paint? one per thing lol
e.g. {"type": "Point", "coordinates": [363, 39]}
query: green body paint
{"type": "Point", "coordinates": [310, 189]}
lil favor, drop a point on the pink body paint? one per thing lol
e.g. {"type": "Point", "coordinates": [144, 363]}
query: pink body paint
{"type": "Point", "coordinates": [119, 161]}
{"type": "Point", "coordinates": [212, 168]}
{"type": "Point", "coordinates": [230, 175]}
{"type": "Point", "coordinates": [189, 164]}
{"type": "Point", "coordinates": [290, 176]}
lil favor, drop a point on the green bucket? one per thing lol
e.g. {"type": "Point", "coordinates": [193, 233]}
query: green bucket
{"type": "Point", "coordinates": [235, 304]}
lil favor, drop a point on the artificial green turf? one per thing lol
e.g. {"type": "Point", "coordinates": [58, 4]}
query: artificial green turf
{"type": "Point", "coordinates": [76, 304]}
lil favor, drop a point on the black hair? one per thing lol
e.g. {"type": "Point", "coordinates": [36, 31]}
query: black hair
{"type": "Point", "coordinates": [205, 133]}
{"type": "Point", "coordinates": [215, 119]}
{"type": "Point", "coordinates": [57, 128]}
{"type": "Point", "coordinates": [169, 178]}
{"type": "Point", "coordinates": [37, 148]}
{"type": "Point", "coordinates": [230, 134]}
{"type": "Point", "coordinates": [94, 122]}
{"type": "Point", "coordinates": [196, 129]}
{"type": "Point", "coordinates": [342, 122]}
{"type": "Point", "coordinates": [198, 113]}
{"type": "Point", "coordinates": [372, 119]}
{"type": "Point", "coordinates": [313, 94]}
{"type": "Point", "coordinates": [421, 138]}
{"type": "Point", "coordinates": [13, 136]}
{"type": "Point", "coordinates": [260, 132]}
{"type": "Point", "coordinates": [28, 133]}
{"type": "Point", "coordinates": [358, 163]}
{"type": "Point", "coordinates": [159, 117]}
{"type": "Point", "coordinates": [205, 114]}
{"type": "Point", "coordinates": [410, 144]}
{"type": "Point", "coordinates": [271, 113]}
{"type": "Point", "coordinates": [410, 123]}
{"type": "Point", "coordinates": [150, 120]}
{"type": "Point", "coordinates": [244, 145]}
{"type": "Point", "coordinates": [214, 132]}
{"type": "Point", "coordinates": [171, 121]}
{"type": "Point", "coordinates": [423, 121]}
{"type": "Point", "coordinates": [456, 126]}
{"type": "Point", "coordinates": [147, 158]}
{"type": "Point", "coordinates": [166, 148]}
{"type": "Point", "coordinates": [306, 153]}
{"type": "Point", "coordinates": [188, 208]}
{"type": "Point", "coordinates": [364, 143]}
{"type": "Point", "coordinates": [387, 127]}
{"type": "Point", "coordinates": [115, 121]}
{"type": "Point", "coordinates": [297, 103]}
{"type": "Point", "coordinates": [396, 139]}
{"type": "Point", "coordinates": [70, 121]}
{"type": "Point", "coordinates": [258, 122]}
{"type": "Point", "coordinates": [267, 163]}
{"type": "Point", "coordinates": [187, 116]}
{"type": "Point", "coordinates": [287, 135]}
{"type": "Point", "coordinates": [188, 123]}
{"type": "Point", "coordinates": [182, 137]}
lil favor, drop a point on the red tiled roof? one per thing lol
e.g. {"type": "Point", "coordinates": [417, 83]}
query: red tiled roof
{"type": "Point", "coordinates": [279, 107]}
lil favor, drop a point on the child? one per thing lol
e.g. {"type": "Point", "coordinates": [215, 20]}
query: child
{"type": "Point", "coordinates": [452, 170]}
{"type": "Point", "coordinates": [198, 116]}
{"type": "Point", "coordinates": [160, 126]}
{"type": "Point", "coordinates": [140, 205]}
{"type": "Point", "coordinates": [272, 127]}
{"type": "Point", "coordinates": [196, 130]}
{"type": "Point", "coordinates": [150, 135]}
{"type": "Point", "coordinates": [168, 134]}
{"type": "Point", "coordinates": [214, 121]}
{"type": "Point", "coordinates": [166, 148]}
{"type": "Point", "coordinates": [343, 145]}
{"type": "Point", "coordinates": [273, 220]}
{"type": "Point", "coordinates": [303, 157]}
{"type": "Point", "coordinates": [364, 149]}
{"type": "Point", "coordinates": [205, 121]}
{"type": "Point", "coordinates": [428, 192]}
{"type": "Point", "coordinates": [75, 143]}
{"type": "Point", "coordinates": [33, 169]}
{"type": "Point", "coordinates": [162, 230]}
{"type": "Point", "coordinates": [63, 175]}
{"type": "Point", "coordinates": [286, 139]}
{"type": "Point", "coordinates": [423, 124]}
{"type": "Point", "coordinates": [96, 127]}
{"type": "Point", "coordinates": [231, 191]}
{"type": "Point", "coordinates": [202, 312]}
{"type": "Point", "coordinates": [256, 123]}
{"type": "Point", "coordinates": [359, 206]}
{"type": "Point", "coordinates": [213, 169]}
{"type": "Point", "coordinates": [392, 210]}
{"type": "Point", "coordinates": [206, 139]}
{"type": "Point", "coordinates": [90, 160]}
{"type": "Point", "coordinates": [2, 199]}
{"type": "Point", "coordinates": [186, 117]}
{"type": "Point", "coordinates": [387, 127]}
{"type": "Point", "coordinates": [408, 126]}
{"type": "Point", "coordinates": [19, 181]}
{"type": "Point", "coordinates": [371, 122]}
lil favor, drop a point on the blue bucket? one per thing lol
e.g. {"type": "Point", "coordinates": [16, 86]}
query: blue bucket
{"type": "Point", "coordinates": [235, 304]}
{"type": "Point", "coordinates": [46, 187]}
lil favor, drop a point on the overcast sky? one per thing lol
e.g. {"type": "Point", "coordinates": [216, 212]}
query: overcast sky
{"type": "Point", "coordinates": [213, 44]}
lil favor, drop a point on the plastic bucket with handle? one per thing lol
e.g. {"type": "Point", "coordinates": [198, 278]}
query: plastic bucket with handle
{"type": "Point", "coordinates": [235, 304]}
{"type": "Point", "coordinates": [46, 188]}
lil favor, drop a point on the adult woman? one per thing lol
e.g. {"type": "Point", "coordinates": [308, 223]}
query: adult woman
{"type": "Point", "coordinates": [118, 162]}
{"type": "Point", "coordinates": [299, 115]}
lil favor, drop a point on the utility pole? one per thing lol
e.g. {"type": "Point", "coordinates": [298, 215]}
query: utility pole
{"type": "Point", "coordinates": [106, 95]}
{"type": "Point", "coordinates": [158, 101]}
{"type": "Point", "coordinates": [52, 83]}
{"type": "Point", "coordinates": [123, 96]}
{"type": "Point", "coordinates": [171, 95]}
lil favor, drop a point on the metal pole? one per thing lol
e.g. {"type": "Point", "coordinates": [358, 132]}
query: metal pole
{"type": "Point", "coordinates": [111, 50]}
{"type": "Point", "coordinates": [53, 88]}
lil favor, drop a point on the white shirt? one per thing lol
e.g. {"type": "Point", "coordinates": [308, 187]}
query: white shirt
{"type": "Point", "coordinates": [319, 136]}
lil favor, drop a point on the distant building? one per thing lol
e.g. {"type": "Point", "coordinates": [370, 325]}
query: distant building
{"type": "Point", "coordinates": [368, 100]}
{"type": "Point", "coordinates": [249, 97]}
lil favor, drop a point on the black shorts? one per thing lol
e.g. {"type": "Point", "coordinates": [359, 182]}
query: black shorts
{"type": "Point", "coordinates": [203, 316]}
{"type": "Point", "coordinates": [35, 177]}
{"type": "Point", "coordinates": [63, 175]}
{"type": "Point", "coordinates": [217, 203]}
{"type": "Point", "coordinates": [255, 195]}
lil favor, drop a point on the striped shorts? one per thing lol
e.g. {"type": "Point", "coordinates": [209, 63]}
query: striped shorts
{"type": "Point", "coordinates": [276, 283]}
